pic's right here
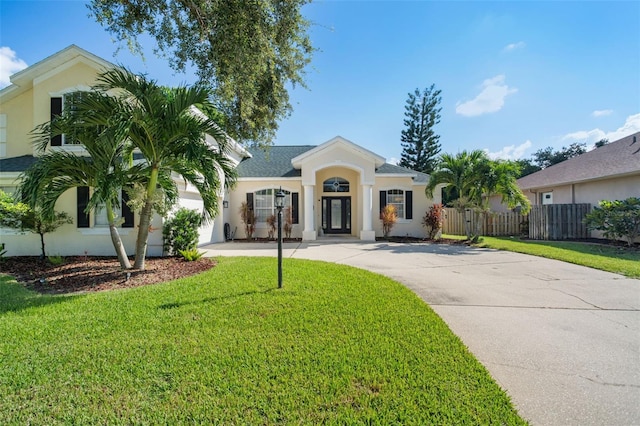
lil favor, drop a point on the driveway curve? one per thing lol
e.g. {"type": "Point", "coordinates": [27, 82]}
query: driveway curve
{"type": "Point", "coordinates": [563, 340]}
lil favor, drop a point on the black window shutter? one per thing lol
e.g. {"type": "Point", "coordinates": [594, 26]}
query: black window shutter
{"type": "Point", "coordinates": [56, 110]}
{"type": "Point", "coordinates": [83, 200]}
{"type": "Point", "coordinates": [383, 200]}
{"type": "Point", "coordinates": [250, 200]}
{"type": "Point", "coordinates": [294, 207]}
{"type": "Point", "coordinates": [127, 213]}
{"type": "Point", "coordinates": [408, 204]}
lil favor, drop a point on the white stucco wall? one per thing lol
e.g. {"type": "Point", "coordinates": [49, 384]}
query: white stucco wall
{"type": "Point", "coordinates": [69, 240]}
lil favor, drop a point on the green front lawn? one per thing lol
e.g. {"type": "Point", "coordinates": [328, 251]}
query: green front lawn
{"type": "Point", "coordinates": [336, 345]}
{"type": "Point", "coordinates": [618, 259]}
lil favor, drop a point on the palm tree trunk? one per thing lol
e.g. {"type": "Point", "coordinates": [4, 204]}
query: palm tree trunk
{"type": "Point", "coordinates": [145, 221]}
{"type": "Point", "coordinates": [116, 240]}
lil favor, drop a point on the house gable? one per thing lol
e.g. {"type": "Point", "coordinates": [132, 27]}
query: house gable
{"type": "Point", "coordinates": [57, 63]}
{"type": "Point", "coordinates": [338, 152]}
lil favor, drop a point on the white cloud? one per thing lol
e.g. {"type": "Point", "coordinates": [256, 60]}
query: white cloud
{"type": "Point", "coordinates": [602, 112]}
{"type": "Point", "coordinates": [490, 99]}
{"type": "Point", "coordinates": [513, 46]}
{"type": "Point", "coordinates": [631, 125]}
{"type": "Point", "coordinates": [510, 152]}
{"type": "Point", "coordinates": [393, 160]}
{"type": "Point", "coordinates": [9, 65]}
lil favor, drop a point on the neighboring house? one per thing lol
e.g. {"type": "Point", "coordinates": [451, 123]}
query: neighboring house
{"type": "Point", "coordinates": [611, 172]}
{"type": "Point", "coordinates": [35, 95]}
{"type": "Point", "coordinates": [334, 188]}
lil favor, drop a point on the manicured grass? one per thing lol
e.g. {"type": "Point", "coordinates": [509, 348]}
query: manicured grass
{"type": "Point", "coordinates": [336, 345]}
{"type": "Point", "coordinates": [607, 258]}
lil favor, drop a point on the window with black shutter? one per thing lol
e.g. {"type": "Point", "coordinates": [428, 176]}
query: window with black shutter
{"type": "Point", "coordinates": [56, 110]}
{"type": "Point", "coordinates": [127, 213]}
{"type": "Point", "coordinates": [82, 202]}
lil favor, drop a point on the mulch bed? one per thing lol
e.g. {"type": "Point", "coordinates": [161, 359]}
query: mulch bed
{"type": "Point", "coordinates": [86, 273]}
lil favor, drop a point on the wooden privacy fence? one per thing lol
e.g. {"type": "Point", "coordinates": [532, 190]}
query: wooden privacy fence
{"type": "Point", "coordinates": [548, 222]}
{"type": "Point", "coordinates": [493, 224]}
{"type": "Point", "coordinates": [558, 222]}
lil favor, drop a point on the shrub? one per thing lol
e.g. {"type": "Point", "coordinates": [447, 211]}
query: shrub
{"type": "Point", "coordinates": [56, 260]}
{"type": "Point", "coordinates": [432, 220]}
{"type": "Point", "coordinates": [616, 219]}
{"type": "Point", "coordinates": [272, 223]}
{"type": "Point", "coordinates": [248, 218]}
{"type": "Point", "coordinates": [181, 231]}
{"type": "Point", "coordinates": [191, 254]}
{"type": "Point", "coordinates": [388, 216]}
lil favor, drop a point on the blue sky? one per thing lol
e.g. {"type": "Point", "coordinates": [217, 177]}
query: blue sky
{"type": "Point", "coordinates": [516, 76]}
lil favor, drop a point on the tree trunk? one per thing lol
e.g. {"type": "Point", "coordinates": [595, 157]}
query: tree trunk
{"type": "Point", "coordinates": [116, 240]}
{"type": "Point", "coordinates": [43, 255]}
{"type": "Point", "coordinates": [143, 235]}
{"type": "Point", "coordinates": [145, 220]}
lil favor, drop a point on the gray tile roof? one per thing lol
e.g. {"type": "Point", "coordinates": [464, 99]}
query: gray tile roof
{"type": "Point", "coordinates": [275, 161]}
{"type": "Point", "coordinates": [618, 158]}
{"type": "Point", "coordinates": [22, 163]}
{"type": "Point", "coordinates": [388, 168]}
{"type": "Point", "coordinates": [16, 164]}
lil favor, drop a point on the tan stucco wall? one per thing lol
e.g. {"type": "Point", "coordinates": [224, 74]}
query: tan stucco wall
{"type": "Point", "coordinates": [19, 121]}
{"type": "Point", "coordinates": [32, 107]}
{"type": "Point", "coordinates": [239, 195]}
{"type": "Point", "coordinates": [592, 192]}
{"type": "Point", "coordinates": [611, 189]}
{"type": "Point", "coordinates": [403, 227]}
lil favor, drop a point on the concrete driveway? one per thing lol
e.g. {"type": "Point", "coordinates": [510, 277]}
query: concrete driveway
{"type": "Point", "coordinates": [563, 340]}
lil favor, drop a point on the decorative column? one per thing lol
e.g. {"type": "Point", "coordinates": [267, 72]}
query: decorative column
{"type": "Point", "coordinates": [367, 233]}
{"type": "Point", "coordinates": [309, 233]}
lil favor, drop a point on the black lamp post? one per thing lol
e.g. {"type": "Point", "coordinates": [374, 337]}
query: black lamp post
{"type": "Point", "coordinates": [279, 205]}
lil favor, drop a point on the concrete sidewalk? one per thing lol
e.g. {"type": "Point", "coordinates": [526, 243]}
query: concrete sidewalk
{"type": "Point", "coordinates": [563, 340]}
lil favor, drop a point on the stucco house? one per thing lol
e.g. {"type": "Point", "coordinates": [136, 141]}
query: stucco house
{"type": "Point", "coordinates": [611, 172]}
{"type": "Point", "coordinates": [35, 95]}
{"type": "Point", "coordinates": [336, 188]}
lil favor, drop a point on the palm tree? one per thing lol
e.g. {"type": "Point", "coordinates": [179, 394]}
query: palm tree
{"type": "Point", "coordinates": [500, 179]}
{"type": "Point", "coordinates": [167, 127]}
{"type": "Point", "coordinates": [458, 173]}
{"type": "Point", "coordinates": [475, 178]}
{"type": "Point", "coordinates": [103, 169]}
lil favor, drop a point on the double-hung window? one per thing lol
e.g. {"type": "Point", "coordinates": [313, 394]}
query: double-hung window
{"type": "Point", "coordinates": [401, 199]}
{"type": "Point", "coordinates": [263, 204]}
{"type": "Point", "coordinates": [65, 102]}
{"type": "Point", "coordinates": [100, 214]}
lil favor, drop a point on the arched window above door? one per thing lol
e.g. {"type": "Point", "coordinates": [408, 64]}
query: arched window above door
{"type": "Point", "coordinates": [335, 184]}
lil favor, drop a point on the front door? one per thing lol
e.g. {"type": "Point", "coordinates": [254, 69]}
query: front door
{"type": "Point", "coordinates": [336, 215]}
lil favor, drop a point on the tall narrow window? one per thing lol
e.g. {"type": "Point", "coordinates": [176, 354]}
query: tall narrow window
{"type": "Point", "coordinates": [395, 197]}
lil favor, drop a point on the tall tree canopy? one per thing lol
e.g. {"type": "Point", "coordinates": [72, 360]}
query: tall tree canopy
{"type": "Point", "coordinates": [548, 157]}
{"type": "Point", "coordinates": [247, 51]}
{"type": "Point", "coordinates": [420, 143]}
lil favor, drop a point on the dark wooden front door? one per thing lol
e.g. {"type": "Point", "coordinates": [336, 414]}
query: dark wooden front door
{"type": "Point", "coordinates": [336, 215]}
